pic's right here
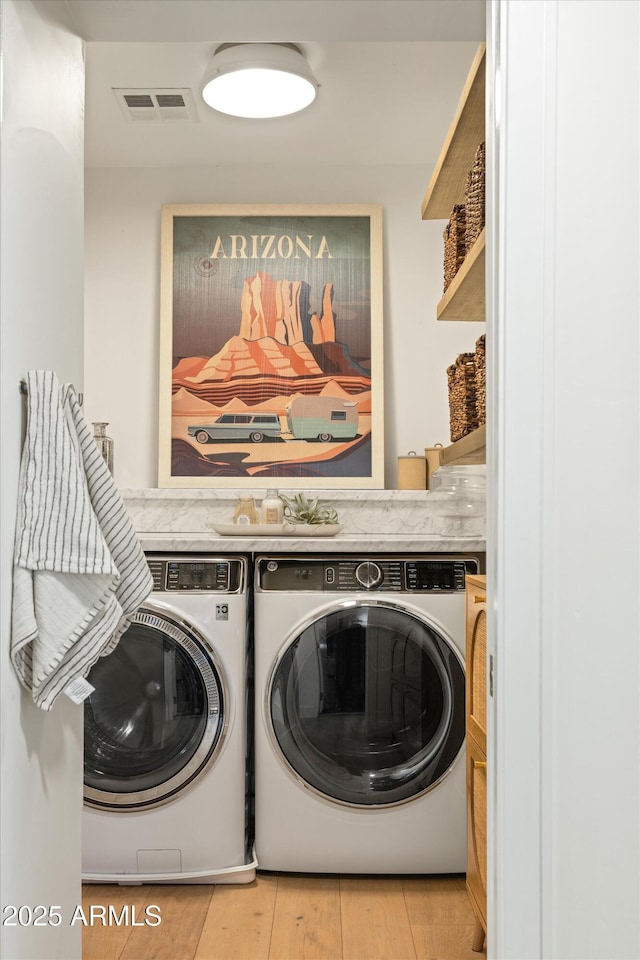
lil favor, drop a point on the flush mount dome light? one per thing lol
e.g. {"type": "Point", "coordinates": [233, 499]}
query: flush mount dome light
{"type": "Point", "coordinates": [259, 80]}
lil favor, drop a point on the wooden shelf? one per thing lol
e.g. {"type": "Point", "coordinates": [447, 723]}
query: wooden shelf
{"type": "Point", "coordinates": [471, 449]}
{"type": "Point", "coordinates": [464, 299]}
{"type": "Point", "coordinates": [447, 184]}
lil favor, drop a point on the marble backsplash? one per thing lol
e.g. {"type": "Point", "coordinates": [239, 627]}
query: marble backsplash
{"type": "Point", "coordinates": [382, 512]}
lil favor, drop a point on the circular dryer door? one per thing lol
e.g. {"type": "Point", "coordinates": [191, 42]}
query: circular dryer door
{"type": "Point", "coordinates": [156, 716]}
{"type": "Point", "coordinates": [366, 704]}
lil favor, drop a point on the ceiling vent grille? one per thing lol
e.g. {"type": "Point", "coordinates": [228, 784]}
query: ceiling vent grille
{"type": "Point", "coordinates": [147, 105]}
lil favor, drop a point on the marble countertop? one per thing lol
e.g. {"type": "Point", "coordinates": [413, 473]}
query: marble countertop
{"type": "Point", "coordinates": [341, 543]}
{"type": "Point", "coordinates": [378, 521]}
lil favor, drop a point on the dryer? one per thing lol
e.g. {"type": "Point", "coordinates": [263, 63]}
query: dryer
{"type": "Point", "coordinates": [166, 769]}
{"type": "Point", "coordinates": [360, 713]}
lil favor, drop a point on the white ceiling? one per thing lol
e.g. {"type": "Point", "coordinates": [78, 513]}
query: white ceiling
{"type": "Point", "coordinates": [390, 73]}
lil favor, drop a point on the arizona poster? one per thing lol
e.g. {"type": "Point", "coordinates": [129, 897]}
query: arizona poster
{"type": "Point", "coordinates": [271, 346]}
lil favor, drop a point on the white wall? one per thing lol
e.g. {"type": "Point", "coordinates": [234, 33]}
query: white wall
{"type": "Point", "coordinates": [123, 280]}
{"type": "Point", "coordinates": [41, 326]}
{"type": "Point", "coordinates": [565, 479]}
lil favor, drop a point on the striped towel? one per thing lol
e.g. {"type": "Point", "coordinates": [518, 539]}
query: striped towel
{"type": "Point", "coordinates": [79, 571]}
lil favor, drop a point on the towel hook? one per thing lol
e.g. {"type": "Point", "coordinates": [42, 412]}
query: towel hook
{"type": "Point", "coordinates": [24, 390]}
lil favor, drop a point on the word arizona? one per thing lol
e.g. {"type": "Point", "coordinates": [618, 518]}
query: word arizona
{"type": "Point", "coordinates": [98, 915]}
{"type": "Point", "coordinates": [268, 246]}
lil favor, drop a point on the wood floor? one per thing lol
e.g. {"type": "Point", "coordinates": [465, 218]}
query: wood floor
{"type": "Point", "coordinates": [285, 917]}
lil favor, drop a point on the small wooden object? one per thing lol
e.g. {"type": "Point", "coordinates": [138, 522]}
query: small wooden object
{"type": "Point", "coordinates": [412, 472]}
{"type": "Point", "coordinates": [476, 710]}
{"type": "Point", "coordinates": [432, 458]}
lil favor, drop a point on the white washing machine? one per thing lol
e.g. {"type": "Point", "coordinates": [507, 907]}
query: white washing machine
{"type": "Point", "coordinates": [360, 713]}
{"type": "Point", "coordinates": [166, 768]}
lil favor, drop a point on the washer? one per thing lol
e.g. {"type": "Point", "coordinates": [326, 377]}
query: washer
{"type": "Point", "coordinates": [360, 714]}
{"type": "Point", "coordinates": [166, 768]}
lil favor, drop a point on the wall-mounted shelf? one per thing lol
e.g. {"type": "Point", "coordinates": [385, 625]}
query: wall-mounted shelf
{"type": "Point", "coordinates": [469, 450]}
{"type": "Point", "coordinates": [464, 299]}
{"type": "Point", "coordinates": [465, 134]}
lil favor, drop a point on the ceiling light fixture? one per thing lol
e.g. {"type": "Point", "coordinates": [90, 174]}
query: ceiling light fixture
{"type": "Point", "coordinates": [259, 80]}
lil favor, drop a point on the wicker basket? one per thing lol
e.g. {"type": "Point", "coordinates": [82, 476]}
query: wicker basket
{"type": "Point", "coordinates": [461, 379]}
{"type": "Point", "coordinates": [474, 198]}
{"type": "Point", "coordinates": [481, 380]}
{"type": "Point", "coordinates": [454, 243]}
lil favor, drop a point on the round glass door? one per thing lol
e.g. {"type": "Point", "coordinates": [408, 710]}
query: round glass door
{"type": "Point", "coordinates": [367, 705]}
{"type": "Point", "coordinates": [156, 716]}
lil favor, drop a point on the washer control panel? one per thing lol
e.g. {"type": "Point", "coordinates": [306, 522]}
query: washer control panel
{"type": "Point", "coordinates": [202, 575]}
{"type": "Point", "coordinates": [379, 574]}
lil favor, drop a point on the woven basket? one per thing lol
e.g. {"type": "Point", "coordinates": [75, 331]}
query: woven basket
{"type": "Point", "coordinates": [454, 243]}
{"type": "Point", "coordinates": [474, 198]}
{"type": "Point", "coordinates": [481, 380]}
{"type": "Point", "coordinates": [461, 379]}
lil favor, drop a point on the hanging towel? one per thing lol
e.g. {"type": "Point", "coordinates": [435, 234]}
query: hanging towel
{"type": "Point", "coordinates": [79, 571]}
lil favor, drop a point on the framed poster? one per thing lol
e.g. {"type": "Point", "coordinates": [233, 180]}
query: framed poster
{"type": "Point", "coordinates": [271, 346]}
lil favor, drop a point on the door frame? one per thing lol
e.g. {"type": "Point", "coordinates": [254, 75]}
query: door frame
{"type": "Point", "coordinates": [563, 452]}
{"type": "Point", "coordinates": [520, 272]}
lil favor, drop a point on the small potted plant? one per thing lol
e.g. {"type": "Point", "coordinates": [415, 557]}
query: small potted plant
{"type": "Point", "coordinates": [300, 510]}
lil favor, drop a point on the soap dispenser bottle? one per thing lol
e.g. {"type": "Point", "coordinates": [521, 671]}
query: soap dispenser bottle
{"type": "Point", "coordinates": [272, 508]}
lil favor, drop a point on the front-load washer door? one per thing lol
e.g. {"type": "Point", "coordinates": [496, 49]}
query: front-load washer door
{"type": "Point", "coordinates": [156, 717]}
{"type": "Point", "coordinates": [366, 704]}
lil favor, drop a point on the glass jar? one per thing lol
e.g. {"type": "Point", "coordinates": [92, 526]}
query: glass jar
{"type": "Point", "coordinates": [246, 511]}
{"type": "Point", "coordinates": [105, 443]}
{"type": "Point", "coordinates": [457, 501]}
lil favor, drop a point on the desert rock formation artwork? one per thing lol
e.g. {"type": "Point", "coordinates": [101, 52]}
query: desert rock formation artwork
{"type": "Point", "coordinates": [271, 368]}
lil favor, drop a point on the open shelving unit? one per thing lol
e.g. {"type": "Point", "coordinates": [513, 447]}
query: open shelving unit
{"type": "Point", "coordinates": [464, 299]}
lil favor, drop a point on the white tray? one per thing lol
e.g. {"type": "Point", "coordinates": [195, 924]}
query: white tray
{"type": "Point", "coordinates": [277, 529]}
{"type": "Point", "coordinates": [311, 529]}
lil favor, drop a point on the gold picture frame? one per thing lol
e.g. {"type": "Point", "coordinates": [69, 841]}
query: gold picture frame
{"type": "Point", "coordinates": [271, 370]}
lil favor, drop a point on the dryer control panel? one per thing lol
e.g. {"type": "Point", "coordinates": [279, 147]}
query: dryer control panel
{"type": "Point", "coordinates": [196, 575]}
{"type": "Point", "coordinates": [380, 574]}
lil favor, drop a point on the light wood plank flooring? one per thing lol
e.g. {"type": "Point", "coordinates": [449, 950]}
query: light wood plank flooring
{"type": "Point", "coordinates": [286, 917]}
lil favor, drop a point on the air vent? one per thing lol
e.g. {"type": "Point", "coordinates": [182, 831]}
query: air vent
{"type": "Point", "coordinates": [157, 105]}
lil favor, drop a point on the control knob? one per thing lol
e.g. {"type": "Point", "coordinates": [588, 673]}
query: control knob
{"type": "Point", "coordinates": [368, 574]}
